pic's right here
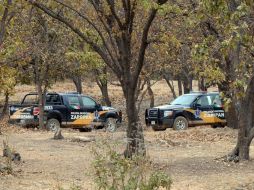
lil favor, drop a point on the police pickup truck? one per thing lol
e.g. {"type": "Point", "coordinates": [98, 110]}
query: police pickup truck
{"type": "Point", "coordinates": [198, 108]}
{"type": "Point", "coordinates": [65, 110]}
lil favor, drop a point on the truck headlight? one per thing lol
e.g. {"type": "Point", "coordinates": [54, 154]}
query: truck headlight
{"type": "Point", "coordinates": [168, 113]}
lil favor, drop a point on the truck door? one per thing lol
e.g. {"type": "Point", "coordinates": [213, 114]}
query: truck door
{"type": "Point", "coordinates": [204, 110]}
{"type": "Point", "coordinates": [90, 108]}
{"type": "Point", "coordinates": [75, 111]}
{"type": "Point", "coordinates": [219, 112]}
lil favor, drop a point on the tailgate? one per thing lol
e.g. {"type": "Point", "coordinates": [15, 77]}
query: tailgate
{"type": "Point", "coordinates": [21, 111]}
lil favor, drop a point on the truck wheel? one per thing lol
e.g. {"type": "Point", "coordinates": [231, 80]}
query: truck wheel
{"type": "Point", "coordinates": [180, 123]}
{"type": "Point", "coordinates": [53, 125]}
{"type": "Point", "coordinates": [111, 124]}
{"type": "Point", "coordinates": [156, 128]}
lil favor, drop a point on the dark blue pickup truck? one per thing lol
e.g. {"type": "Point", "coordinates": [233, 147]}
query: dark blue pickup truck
{"type": "Point", "coordinates": [65, 110]}
{"type": "Point", "coordinates": [199, 108]}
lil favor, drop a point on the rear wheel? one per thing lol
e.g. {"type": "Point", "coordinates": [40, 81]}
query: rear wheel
{"type": "Point", "coordinates": [180, 123]}
{"type": "Point", "coordinates": [111, 124]}
{"type": "Point", "coordinates": [53, 125]}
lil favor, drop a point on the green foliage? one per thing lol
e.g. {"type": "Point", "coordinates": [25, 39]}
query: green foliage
{"type": "Point", "coordinates": [7, 79]}
{"type": "Point", "coordinates": [114, 172]}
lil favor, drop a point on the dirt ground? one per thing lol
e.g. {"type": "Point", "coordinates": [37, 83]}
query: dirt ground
{"type": "Point", "coordinates": [191, 157]}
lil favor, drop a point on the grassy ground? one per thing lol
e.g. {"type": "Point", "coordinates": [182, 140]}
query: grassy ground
{"type": "Point", "coordinates": [190, 157]}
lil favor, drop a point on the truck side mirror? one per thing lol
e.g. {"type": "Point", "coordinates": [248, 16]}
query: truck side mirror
{"type": "Point", "coordinates": [97, 106]}
{"type": "Point", "coordinates": [196, 105]}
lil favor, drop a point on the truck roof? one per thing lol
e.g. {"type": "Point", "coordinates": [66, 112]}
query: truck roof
{"type": "Point", "coordinates": [203, 92]}
{"type": "Point", "coordinates": [58, 93]}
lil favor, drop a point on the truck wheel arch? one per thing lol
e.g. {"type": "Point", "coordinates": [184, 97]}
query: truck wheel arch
{"type": "Point", "coordinates": [55, 115]}
{"type": "Point", "coordinates": [111, 115]}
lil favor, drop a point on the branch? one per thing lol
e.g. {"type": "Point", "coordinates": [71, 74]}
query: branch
{"type": "Point", "coordinates": [144, 45]}
{"type": "Point", "coordinates": [111, 4]}
{"type": "Point", "coordinates": [94, 46]}
{"type": "Point", "coordinates": [92, 24]}
{"type": "Point", "coordinates": [3, 21]}
{"type": "Point", "coordinates": [106, 28]}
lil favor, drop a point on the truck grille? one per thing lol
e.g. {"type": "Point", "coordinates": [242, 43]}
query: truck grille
{"type": "Point", "coordinates": [153, 113]}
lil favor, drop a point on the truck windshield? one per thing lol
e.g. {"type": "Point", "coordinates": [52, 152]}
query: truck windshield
{"type": "Point", "coordinates": [185, 100]}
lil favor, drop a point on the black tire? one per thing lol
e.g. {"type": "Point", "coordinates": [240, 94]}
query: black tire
{"type": "Point", "coordinates": [111, 124]}
{"type": "Point", "coordinates": [180, 123]}
{"type": "Point", "coordinates": [156, 128]}
{"type": "Point", "coordinates": [53, 125]}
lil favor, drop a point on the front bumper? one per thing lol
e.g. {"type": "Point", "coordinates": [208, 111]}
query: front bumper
{"type": "Point", "coordinates": [160, 122]}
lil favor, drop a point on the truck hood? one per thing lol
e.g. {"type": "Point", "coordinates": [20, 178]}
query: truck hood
{"type": "Point", "coordinates": [171, 107]}
{"type": "Point", "coordinates": [106, 108]}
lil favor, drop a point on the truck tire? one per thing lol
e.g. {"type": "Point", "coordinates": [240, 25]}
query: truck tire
{"type": "Point", "coordinates": [111, 124]}
{"type": "Point", "coordinates": [156, 128]}
{"type": "Point", "coordinates": [180, 123]}
{"type": "Point", "coordinates": [53, 125]}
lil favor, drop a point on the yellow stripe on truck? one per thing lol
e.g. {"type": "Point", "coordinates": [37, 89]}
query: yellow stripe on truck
{"type": "Point", "coordinates": [87, 120]}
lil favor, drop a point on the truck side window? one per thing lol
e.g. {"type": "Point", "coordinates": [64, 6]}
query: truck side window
{"type": "Point", "coordinates": [53, 99]}
{"type": "Point", "coordinates": [31, 99]}
{"type": "Point", "coordinates": [205, 101]}
{"type": "Point", "coordinates": [88, 102]}
{"type": "Point", "coordinates": [73, 102]}
{"type": "Point", "coordinates": [217, 101]}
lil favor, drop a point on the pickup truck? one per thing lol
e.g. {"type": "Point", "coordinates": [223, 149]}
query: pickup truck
{"type": "Point", "coordinates": [196, 108]}
{"type": "Point", "coordinates": [65, 110]}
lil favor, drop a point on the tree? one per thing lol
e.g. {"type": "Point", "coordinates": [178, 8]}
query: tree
{"type": "Point", "coordinates": [86, 64]}
{"type": "Point", "coordinates": [45, 51]}
{"type": "Point", "coordinates": [226, 52]}
{"type": "Point", "coordinates": [8, 82]}
{"type": "Point", "coordinates": [122, 44]}
{"type": "Point", "coordinates": [6, 17]}
{"type": "Point", "coordinates": [9, 48]}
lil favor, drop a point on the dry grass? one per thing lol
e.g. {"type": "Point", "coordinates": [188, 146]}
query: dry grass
{"type": "Point", "coordinates": [190, 156]}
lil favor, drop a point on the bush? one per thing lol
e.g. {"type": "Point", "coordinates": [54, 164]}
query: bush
{"type": "Point", "coordinates": [114, 172]}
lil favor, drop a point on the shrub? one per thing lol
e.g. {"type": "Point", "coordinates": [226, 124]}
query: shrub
{"type": "Point", "coordinates": [112, 171]}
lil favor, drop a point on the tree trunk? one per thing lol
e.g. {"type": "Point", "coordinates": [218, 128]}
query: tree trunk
{"type": "Point", "coordinates": [232, 112]}
{"type": "Point", "coordinates": [201, 85]}
{"type": "Point", "coordinates": [135, 144]}
{"type": "Point", "coordinates": [78, 83]}
{"type": "Point", "coordinates": [190, 83]}
{"type": "Point", "coordinates": [231, 115]}
{"type": "Point", "coordinates": [246, 124]}
{"type": "Point", "coordinates": [151, 94]}
{"type": "Point", "coordinates": [41, 104]}
{"type": "Point", "coordinates": [180, 89]}
{"type": "Point", "coordinates": [6, 102]}
{"type": "Point", "coordinates": [103, 85]}
{"type": "Point", "coordinates": [171, 86]}
{"type": "Point", "coordinates": [187, 85]}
